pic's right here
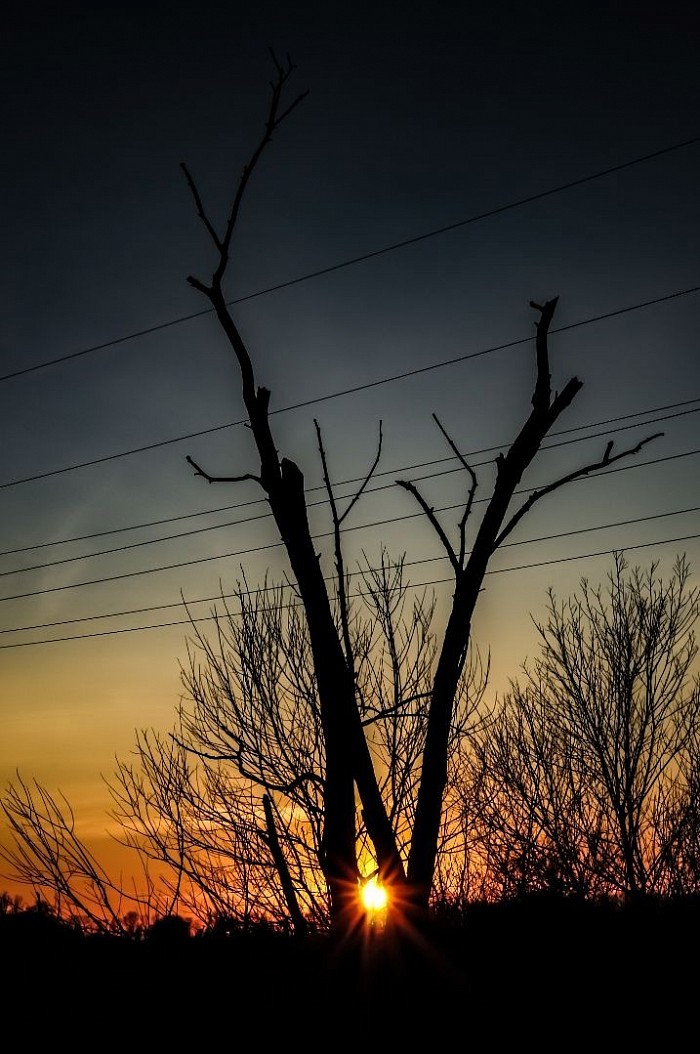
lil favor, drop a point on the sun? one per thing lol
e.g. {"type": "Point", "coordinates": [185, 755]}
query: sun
{"type": "Point", "coordinates": [374, 896]}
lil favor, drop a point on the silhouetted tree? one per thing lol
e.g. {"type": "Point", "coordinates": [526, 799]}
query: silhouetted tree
{"type": "Point", "coordinates": [233, 798]}
{"type": "Point", "coordinates": [587, 782]}
{"type": "Point", "coordinates": [48, 855]}
{"type": "Point", "coordinates": [169, 930]}
{"type": "Point", "coordinates": [348, 759]}
{"type": "Point", "coordinates": [317, 740]}
{"type": "Point", "coordinates": [230, 803]}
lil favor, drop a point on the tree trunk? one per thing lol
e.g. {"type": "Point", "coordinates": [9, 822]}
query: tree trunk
{"type": "Point", "coordinates": [347, 755]}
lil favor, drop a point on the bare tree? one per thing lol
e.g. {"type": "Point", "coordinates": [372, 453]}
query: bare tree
{"type": "Point", "coordinates": [48, 856]}
{"type": "Point", "coordinates": [233, 798]}
{"type": "Point", "coordinates": [217, 834]}
{"type": "Point", "coordinates": [348, 760]}
{"type": "Point", "coordinates": [588, 780]}
{"type": "Point", "coordinates": [318, 742]}
{"type": "Point", "coordinates": [227, 809]}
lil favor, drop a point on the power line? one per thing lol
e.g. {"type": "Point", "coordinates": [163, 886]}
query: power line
{"type": "Point", "coordinates": [417, 585]}
{"type": "Point", "coordinates": [384, 472]}
{"type": "Point", "coordinates": [359, 259]}
{"type": "Point", "coordinates": [350, 391]}
{"type": "Point", "coordinates": [359, 479]}
{"type": "Point", "coordinates": [316, 537]}
{"type": "Point", "coordinates": [407, 563]}
{"type": "Point", "coordinates": [314, 504]}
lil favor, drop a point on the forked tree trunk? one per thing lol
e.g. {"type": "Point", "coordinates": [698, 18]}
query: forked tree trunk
{"type": "Point", "coordinates": [347, 756]}
{"type": "Point", "coordinates": [469, 577]}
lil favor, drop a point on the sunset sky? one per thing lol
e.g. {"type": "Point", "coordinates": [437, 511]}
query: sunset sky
{"type": "Point", "coordinates": [419, 118]}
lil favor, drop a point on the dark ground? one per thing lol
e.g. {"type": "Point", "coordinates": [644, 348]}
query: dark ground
{"type": "Point", "coordinates": [545, 975]}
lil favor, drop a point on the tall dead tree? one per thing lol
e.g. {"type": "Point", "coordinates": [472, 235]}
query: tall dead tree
{"type": "Point", "coordinates": [347, 756]}
{"type": "Point", "coordinates": [348, 760]}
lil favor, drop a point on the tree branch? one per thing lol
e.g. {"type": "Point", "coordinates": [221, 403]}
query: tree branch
{"type": "Point", "coordinates": [273, 120]}
{"type": "Point", "coordinates": [221, 479]}
{"type": "Point", "coordinates": [396, 709]}
{"type": "Point", "coordinates": [337, 521]}
{"type": "Point", "coordinates": [542, 392]}
{"type": "Point", "coordinates": [200, 209]}
{"type": "Point", "coordinates": [593, 467]}
{"type": "Point", "coordinates": [339, 562]}
{"type": "Point", "coordinates": [470, 495]}
{"type": "Point", "coordinates": [430, 513]}
{"type": "Point", "coordinates": [367, 477]}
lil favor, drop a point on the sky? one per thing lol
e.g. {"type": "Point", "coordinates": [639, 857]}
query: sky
{"type": "Point", "coordinates": [434, 181]}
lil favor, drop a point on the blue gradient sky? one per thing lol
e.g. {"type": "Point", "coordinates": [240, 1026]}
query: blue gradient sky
{"type": "Point", "coordinates": [417, 117]}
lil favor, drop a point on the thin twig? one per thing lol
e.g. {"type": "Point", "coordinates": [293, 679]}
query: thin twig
{"type": "Point", "coordinates": [470, 495]}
